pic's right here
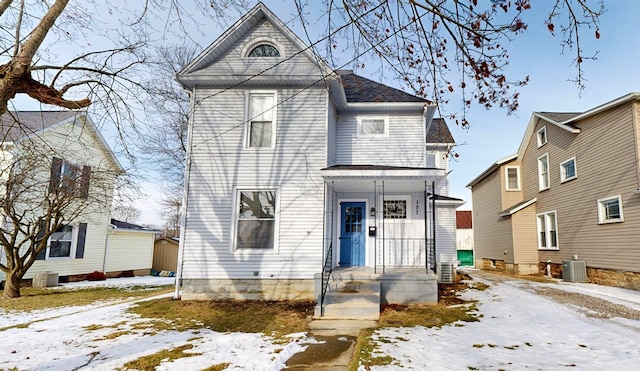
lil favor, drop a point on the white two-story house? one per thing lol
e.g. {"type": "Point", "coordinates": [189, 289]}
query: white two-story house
{"type": "Point", "coordinates": [293, 167]}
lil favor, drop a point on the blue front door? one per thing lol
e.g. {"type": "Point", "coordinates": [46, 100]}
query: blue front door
{"type": "Point", "coordinates": [352, 226]}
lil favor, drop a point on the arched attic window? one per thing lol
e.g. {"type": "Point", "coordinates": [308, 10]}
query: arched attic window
{"type": "Point", "coordinates": [264, 50]}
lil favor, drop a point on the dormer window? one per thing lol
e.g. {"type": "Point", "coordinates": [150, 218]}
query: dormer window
{"type": "Point", "coordinates": [264, 50]}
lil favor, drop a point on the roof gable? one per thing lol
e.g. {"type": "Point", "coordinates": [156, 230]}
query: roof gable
{"type": "Point", "coordinates": [21, 125]}
{"type": "Point", "coordinates": [235, 39]}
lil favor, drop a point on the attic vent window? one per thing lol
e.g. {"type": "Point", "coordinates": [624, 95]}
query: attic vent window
{"type": "Point", "coordinates": [264, 50]}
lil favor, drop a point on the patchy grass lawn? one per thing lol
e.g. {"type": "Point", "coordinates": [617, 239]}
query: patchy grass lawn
{"type": "Point", "coordinates": [275, 318]}
{"type": "Point", "coordinates": [43, 298]}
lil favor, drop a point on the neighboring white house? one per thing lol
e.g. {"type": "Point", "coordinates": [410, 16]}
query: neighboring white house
{"type": "Point", "coordinates": [293, 166]}
{"type": "Point", "coordinates": [129, 249]}
{"type": "Point", "coordinates": [74, 156]}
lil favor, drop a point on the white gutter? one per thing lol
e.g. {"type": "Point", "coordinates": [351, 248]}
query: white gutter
{"type": "Point", "coordinates": [185, 193]}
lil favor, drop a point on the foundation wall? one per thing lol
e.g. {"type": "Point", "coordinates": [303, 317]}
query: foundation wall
{"type": "Point", "coordinates": [247, 289]}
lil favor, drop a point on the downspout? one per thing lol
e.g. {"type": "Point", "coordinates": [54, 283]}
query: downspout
{"type": "Point", "coordinates": [433, 226]}
{"type": "Point", "coordinates": [185, 194]}
{"type": "Point", "coordinates": [636, 134]}
{"type": "Point", "coordinates": [426, 230]}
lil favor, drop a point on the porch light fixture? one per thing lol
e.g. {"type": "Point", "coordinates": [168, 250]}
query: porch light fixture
{"type": "Point", "coordinates": [373, 211]}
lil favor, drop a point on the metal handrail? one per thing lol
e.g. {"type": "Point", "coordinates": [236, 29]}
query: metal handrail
{"type": "Point", "coordinates": [327, 268]}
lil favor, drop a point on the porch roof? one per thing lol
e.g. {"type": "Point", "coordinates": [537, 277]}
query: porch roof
{"type": "Point", "coordinates": [360, 178]}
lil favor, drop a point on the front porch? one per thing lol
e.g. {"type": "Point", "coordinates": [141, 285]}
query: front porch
{"type": "Point", "coordinates": [359, 292]}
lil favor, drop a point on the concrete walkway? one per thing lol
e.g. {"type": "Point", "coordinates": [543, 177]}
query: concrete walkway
{"type": "Point", "coordinates": [337, 341]}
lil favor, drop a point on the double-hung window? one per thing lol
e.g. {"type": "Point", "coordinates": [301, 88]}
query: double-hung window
{"type": "Point", "coordinates": [543, 172]}
{"type": "Point", "coordinates": [69, 180]}
{"type": "Point", "coordinates": [61, 242]}
{"type": "Point", "coordinates": [548, 231]}
{"type": "Point", "coordinates": [67, 241]}
{"type": "Point", "coordinates": [610, 210]}
{"type": "Point", "coordinates": [256, 221]}
{"type": "Point", "coordinates": [261, 121]}
{"type": "Point", "coordinates": [568, 170]}
{"type": "Point", "coordinates": [512, 174]}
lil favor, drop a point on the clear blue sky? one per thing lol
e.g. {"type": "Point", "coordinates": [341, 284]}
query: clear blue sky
{"type": "Point", "coordinates": [494, 135]}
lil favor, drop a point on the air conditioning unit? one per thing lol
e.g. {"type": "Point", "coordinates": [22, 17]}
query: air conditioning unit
{"type": "Point", "coordinates": [47, 279]}
{"type": "Point", "coordinates": [574, 271]}
{"type": "Point", "coordinates": [447, 272]}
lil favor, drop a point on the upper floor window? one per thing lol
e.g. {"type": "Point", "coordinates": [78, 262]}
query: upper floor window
{"type": "Point", "coordinates": [610, 210]}
{"type": "Point", "coordinates": [568, 170]}
{"type": "Point", "coordinates": [264, 50]}
{"type": "Point", "coordinates": [543, 172]}
{"type": "Point", "coordinates": [68, 179]}
{"type": "Point", "coordinates": [512, 174]}
{"type": "Point", "coordinates": [261, 121]}
{"type": "Point", "coordinates": [373, 126]}
{"type": "Point", "coordinates": [542, 136]}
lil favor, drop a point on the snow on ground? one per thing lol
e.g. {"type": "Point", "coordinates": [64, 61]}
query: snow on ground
{"type": "Point", "coordinates": [519, 330]}
{"type": "Point", "coordinates": [79, 339]}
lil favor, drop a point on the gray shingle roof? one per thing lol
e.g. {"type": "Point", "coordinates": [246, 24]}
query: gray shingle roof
{"type": "Point", "coordinates": [130, 226]}
{"type": "Point", "coordinates": [359, 89]}
{"type": "Point", "coordinates": [439, 132]}
{"type": "Point", "coordinates": [17, 124]}
{"type": "Point", "coordinates": [559, 116]}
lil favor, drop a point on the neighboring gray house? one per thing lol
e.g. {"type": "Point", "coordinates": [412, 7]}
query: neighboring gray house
{"type": "Point", "coordinates": [293, 167]}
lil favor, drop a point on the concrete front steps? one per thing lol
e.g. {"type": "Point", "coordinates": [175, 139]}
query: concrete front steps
{"type": "Point", "coordinates": [351, 296]}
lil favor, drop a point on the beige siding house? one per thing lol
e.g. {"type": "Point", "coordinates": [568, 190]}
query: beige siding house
{"type": "Point", "coordinates": [578, 196]}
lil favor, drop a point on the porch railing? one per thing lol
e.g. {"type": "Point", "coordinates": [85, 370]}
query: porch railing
{"type": "Point", "coordinates": [404, 253]}
{"type": "Point", "coordinates": [327, 268]}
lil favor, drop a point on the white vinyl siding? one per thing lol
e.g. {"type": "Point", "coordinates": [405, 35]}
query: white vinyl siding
{"type": "Point", "coordinates": [543, 172]}
{"type": "Point", "coordinates": [219, 166]}
{"type": "Point", "coordinates": [235, 63]}
{"type": "Point", "coordinates": [610, 210]}
{"type": "Point", "coordinates": [512, 174]}
{"type": "Point", "coordinates": [404, 145]}
{"type": "Point", "coordinates": [547, 231]}
{"type": "Point", "coordinates": [568, 170]}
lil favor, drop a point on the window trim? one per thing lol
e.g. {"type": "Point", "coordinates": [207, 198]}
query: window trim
{"type": "Point", "coordinates": [360, 120]}
{"type": "Point", "coordinates": [72, 249]}
{"type": "Point", "coordinates": [545, 216]}
{"type": "Point", "coordinates": [602, 213]}
{"type": "Point", "coordinates": [233, 247]}
{"type": "Point", "coordinates": [563, 173]}
{"type": "Point", "coordinates": [539, 137]}
{"type": "Point", "coordinates": [408, 211]}
{"type": "Point", "coordinates": [506, 178]}
{"type": "Point", "coordinates": [541, 175]}
{"type": "Point", "coordinates": [247, 120]}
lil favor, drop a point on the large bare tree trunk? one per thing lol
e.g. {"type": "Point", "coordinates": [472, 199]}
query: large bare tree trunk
{"type": "Point", "coordinates": [15, 76]}
{"type": "Point", "coordinates": [11, 286]}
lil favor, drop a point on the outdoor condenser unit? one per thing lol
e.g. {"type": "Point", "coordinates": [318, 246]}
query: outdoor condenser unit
{"type": "Point", "coordinates": [574, 271]}
{"type": "Point", "coordinates": [447, 272]}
